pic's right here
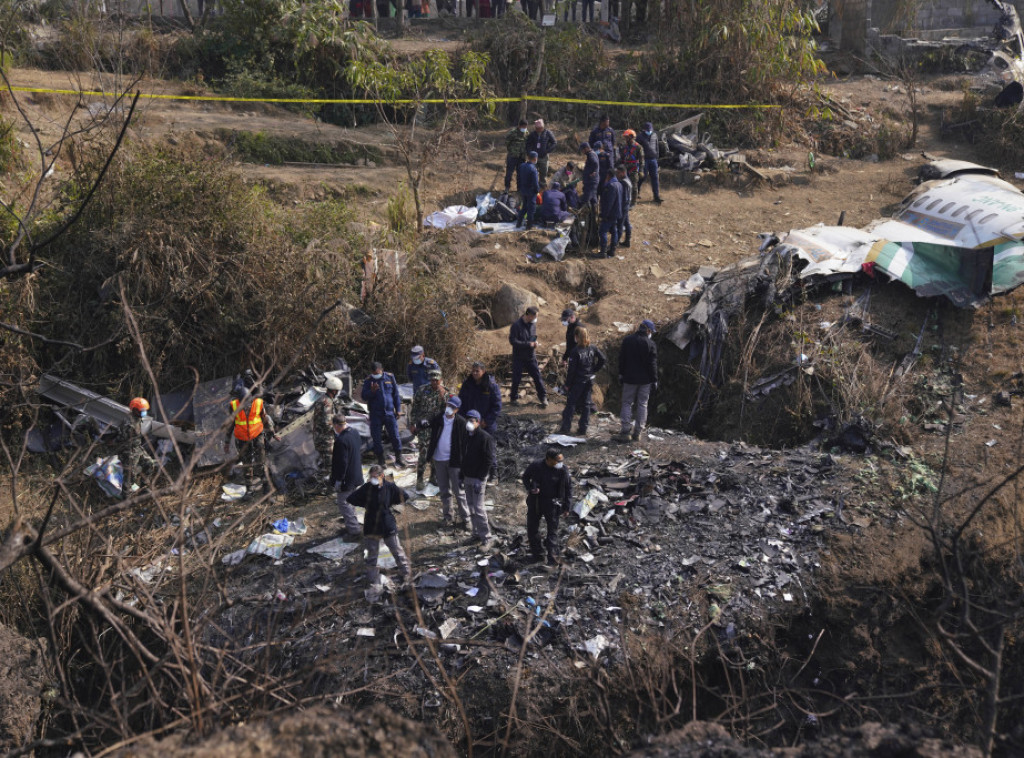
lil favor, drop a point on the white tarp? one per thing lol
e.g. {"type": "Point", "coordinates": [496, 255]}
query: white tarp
{"type": "Point", "coordinates": [453, 215]}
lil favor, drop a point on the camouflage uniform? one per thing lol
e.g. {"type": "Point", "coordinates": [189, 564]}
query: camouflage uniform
{"type": "Point", "coordinates": [132, 452]}
{"type": "Point", "coordinates": [425, 405]}
{"type": "Point", "coordinates": [323, 431]}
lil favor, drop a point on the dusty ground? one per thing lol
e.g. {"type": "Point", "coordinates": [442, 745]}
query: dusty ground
{"type": "Point", "coordinates": [710, 223]}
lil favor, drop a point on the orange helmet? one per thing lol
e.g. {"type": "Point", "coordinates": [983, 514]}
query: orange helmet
{"type": "Point", "coordinates": [139, 404]}
{"type": "Point", "coordinates": [629, 133]}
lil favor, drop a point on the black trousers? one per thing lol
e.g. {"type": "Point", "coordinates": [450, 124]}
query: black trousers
{"type": "Point", "coordinates": [535, 511]}
{"type": "Point", "coordinates": [577, 396]}
{"type": "Point", "coordinates": [529, 365]}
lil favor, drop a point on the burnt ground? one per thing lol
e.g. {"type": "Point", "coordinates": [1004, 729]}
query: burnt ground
{"type": "Point", "coordinates": [701, 546]}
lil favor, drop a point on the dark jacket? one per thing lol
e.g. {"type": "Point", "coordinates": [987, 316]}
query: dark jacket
{"type": "Point", "coordinates": [605, 136]}
{"type": "Point", "coordinates": [543, 143]}
{"type": "Point", "coordinates": [649, 144]}
{"type": "Point", "coordinates": [346, 460]}
{"type": "Point", "coordinates": [515, 142]}
{"type": "Point", "coordinates": [529, 179]}
{"type": "Point", "coordinates": [418, 374]}
{"type": "Point", "coordinates": [570, 337]}
{"type": "Point", "coordinates": [638, 360]}
{"type": "Point", "coordinates": [436, 426]}
{"type": "Point", "coordinates": [584, 362]}
{"type": "Point", "coordinates": [553, 206]}
{"type": "Point", "coordinates": [475, 455]}
{"type": "Point", "coordinates": [379, 521]}
{"type": "Point", "coordinates": [611, 200]}
{"type": "Point", "coordinates": [384, 398]}
{"type": "Point", "coordinates": [520, 335]}
{"type": "Point", "coordinates": [590, 168]}
{"type": "Point", "coordinates": [553, 483]}
{"type": "Point", "coordinates": [484, 398]}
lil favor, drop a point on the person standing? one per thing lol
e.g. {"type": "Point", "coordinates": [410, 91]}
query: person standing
{"type": "Point", "coordinates": [604, 134]}
{"type": "Point", "coordinates": [604, 164]}
{"type": "Point", "coordinates": [522, 335]}
{"type": "Point", "coordinates": [429, 401]}
{"type": "Point", "coordinates": [131, 449]}
{"type": "Point", "coordinates": [542, 142]}
{"type": "Point", "coordinates": [632, 158]}
{"type": "Point", "coordinates": [346, 470]}
{"type": "Point", "coordinates": [419, 368]}
{"type": "Point", "coordinates": [323, 415]}
{"type": "Point", "coordinates": [590, 176]}
{"type": "Point", "coordinates": [477, 461]}
{"type": "Point", "coordinates": [584, 362]}
{"type": "Point", "coordinates": [638, 373]}
{"type": "Point", "coordinates": [548, 485]}
{"type": "Point", "coordinates": [626, 187]}
{"type": "Point", "coordinates": [649, 144]}
{"type": "Point", "coordinates": [480, 393]}
{"type": "Point", "coordinates": [515, 152]}
{"type": "Point", "coordinates": [380, 393]}
{"type": "Point", "coordinates": [446, 434]}
{"type": "Point", "coordinates": [570, 319]}
{"type": "Point", "coordinates": [378, 496]}
{"type": "Point", "coordinates": [250, 427]}
{"type": "Point", "coordinates": [529, 186]}
{"type": "Point", "coordinates": [611, 215]}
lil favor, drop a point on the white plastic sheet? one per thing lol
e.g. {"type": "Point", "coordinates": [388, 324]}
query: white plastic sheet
{"type": "Point", "coordinates": [453, 215]}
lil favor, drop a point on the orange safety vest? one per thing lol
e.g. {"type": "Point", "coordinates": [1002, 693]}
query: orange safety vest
{"type": "Point", "coordinates": [251, 427]}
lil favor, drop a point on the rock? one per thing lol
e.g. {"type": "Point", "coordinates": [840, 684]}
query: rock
{"type": "Point", "coordinates": [571, 274]}
{"type": "Point", "coordinates": [1003, 399]}
{"type": "Point", "coordinates": [22, 679]}
{"type": "Point", "coordinates": [509, 303]}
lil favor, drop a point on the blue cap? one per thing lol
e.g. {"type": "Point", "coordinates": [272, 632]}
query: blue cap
{"type": "Point", "coordinates": [584, 146]}
{"type": "Point", "coordinates": [473, 414]}
{"type": "Point", "coordinates": [532, 154]}
{"type": "Point", "coordinates": [648, 126]}
{"type": "Point", "coordinates": [455, 402]}
{"type": "Point", "coordinates": [648, 324]}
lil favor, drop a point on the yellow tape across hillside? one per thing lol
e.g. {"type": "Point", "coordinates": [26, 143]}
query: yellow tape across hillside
{"type": "Point", "coordinates": [432, 101]}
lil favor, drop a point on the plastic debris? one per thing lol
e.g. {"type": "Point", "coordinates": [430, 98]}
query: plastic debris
{"type": "Point", "coordinates": [270, 545]}
{"type": "Point", "coordinates": [595, 645]}
{"type": "Point", "coordinates": [336, 549]}
{"type": "Point", "coordinates": [231, 492]}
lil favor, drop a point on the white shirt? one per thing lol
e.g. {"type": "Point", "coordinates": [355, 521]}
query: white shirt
{"type": "Point", "coordinates": [444, 442]}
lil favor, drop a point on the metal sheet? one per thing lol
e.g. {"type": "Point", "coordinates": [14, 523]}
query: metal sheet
{"type": "Point", "coordinates": [106, 412]}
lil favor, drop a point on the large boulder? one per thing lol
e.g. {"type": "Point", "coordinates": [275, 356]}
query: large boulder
{"type": "Point", "coordinates": [508, 304]}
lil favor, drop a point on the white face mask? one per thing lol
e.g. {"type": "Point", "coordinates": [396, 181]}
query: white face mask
{"type": "Point", "coordinates": [565, 323]}
{"type": "Point", "coordinates": [560, 464]}
{"type": "Point", "coordinates": [470, 426]}
{"type": "Point", "coordinates": [449, 412]}
{"type": "Point", "coordinates": [143, 414]}
{"type": "Point", "coordinates": [417, 361]}
{"type": "Point", "coordinates": [374, 481]}
{"type": "Point", "coordinates": [377, 376]}
{"type": "Point", "coordinates": [522, 130]}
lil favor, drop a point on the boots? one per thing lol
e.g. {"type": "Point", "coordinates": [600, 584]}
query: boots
{"type": "Point", "coordinates": [626, 243]}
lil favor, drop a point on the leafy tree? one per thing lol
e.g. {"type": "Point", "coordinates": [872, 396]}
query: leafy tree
{"type": "Point", "coordinates": [403, 90]}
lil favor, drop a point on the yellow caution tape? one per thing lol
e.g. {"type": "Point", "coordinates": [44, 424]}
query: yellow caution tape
{"type": "Point", "coordinates": [431, 101]}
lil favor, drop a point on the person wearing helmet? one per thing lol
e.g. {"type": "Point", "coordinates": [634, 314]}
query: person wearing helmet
{"type": "Point", "coordinates": [323, 431]}
{"type": "Point", "coordinates": [632, 158]}
{"type": "Point", "coordinates": [428, 401]}
{"type": "Point", "coordinates": [250, 425]}
{"type": "Point", "coordinates": [131, 449]}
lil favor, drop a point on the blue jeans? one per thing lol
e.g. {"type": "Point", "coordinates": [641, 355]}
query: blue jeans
{"type": "Point", "coordinates": [609, 226]}
{"type": "Point", "coordinates": [378, 421]}
{"type": "Point", "coordinates": [533, 371]}
{"type": "Point", "coordinates": [651, 170]}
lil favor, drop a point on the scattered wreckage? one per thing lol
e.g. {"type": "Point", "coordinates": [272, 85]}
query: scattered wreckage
{"type": "Point", "coordinates": [958, 235]}
{"type": "Point", "coordinates": [189, 426]}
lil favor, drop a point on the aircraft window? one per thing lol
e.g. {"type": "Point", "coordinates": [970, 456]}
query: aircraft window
{"type": "Point", "coordinates": [946, 207]}
{"type": "Point", "coordinates": [970, 216]}
{"type": "Point", "coordinates": [986, 219]}
{"type": "Point", "coordinates": [959, 211]}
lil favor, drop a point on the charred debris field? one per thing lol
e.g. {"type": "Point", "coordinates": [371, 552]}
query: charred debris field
{"type": "Point", "coordinates": [815, 550]}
